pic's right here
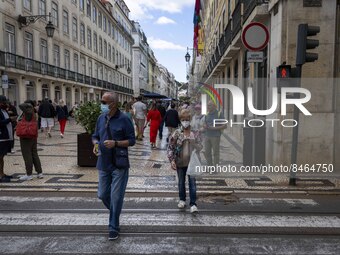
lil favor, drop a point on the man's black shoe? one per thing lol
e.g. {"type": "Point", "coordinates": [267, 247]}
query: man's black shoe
{"type": "Point", "coordinates": [113, 235]}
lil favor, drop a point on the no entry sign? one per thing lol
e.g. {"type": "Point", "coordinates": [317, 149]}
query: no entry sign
{"type": "Point", "coordinates": [255, 36]}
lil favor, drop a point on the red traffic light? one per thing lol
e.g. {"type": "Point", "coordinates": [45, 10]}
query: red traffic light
{"type": "Point", "coordinates": [283, 71]}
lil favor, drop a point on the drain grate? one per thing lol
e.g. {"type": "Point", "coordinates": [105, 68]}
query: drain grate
{"type": "Point", "coordinates": [157, 165]}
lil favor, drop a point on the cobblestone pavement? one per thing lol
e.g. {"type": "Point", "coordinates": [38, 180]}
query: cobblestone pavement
{"type": "Point", "coordinates": [150, 170]}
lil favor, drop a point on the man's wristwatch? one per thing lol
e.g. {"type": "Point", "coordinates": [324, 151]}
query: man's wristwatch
{"type": "Point", "coordinates": [116, 143]}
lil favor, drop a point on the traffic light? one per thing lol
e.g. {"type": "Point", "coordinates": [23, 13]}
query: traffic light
{"type": "Point", "coordinates": [283, 75]}
{"type": "Point", "coordinates": [283, 71]}
{"type": "Point", "coordinates": [304, 43]}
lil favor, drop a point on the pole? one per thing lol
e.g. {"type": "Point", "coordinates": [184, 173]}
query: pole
{"type": "Point", "coordinates": [295, 137]}
{"type": "Point", "coordinates": [259, 133]}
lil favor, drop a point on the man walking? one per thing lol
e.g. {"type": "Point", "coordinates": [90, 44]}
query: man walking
{"type": "Point", "coordinates": [139, 110]}
{"type": "Point", "coordinates": [212, 135]}
{"type": "Point", "coordinates": [113, 135]}
{"type": "Point", "coordinates": [171, 120]}
{"type": "Point", "coordinates": [47, 113]}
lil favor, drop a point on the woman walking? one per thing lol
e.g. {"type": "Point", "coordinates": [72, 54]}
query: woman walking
{"type": "Point", "coordinates": [28, 144]}
{"type": "Point", "coordinates": [155, 117]}
{"type": "Point", "coordinates": [62, 114]}
{"type": "Point", "coordinates": [181, 144]}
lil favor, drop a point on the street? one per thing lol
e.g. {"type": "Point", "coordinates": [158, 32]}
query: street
{"type": "Point", "coordinates": [61, 214]}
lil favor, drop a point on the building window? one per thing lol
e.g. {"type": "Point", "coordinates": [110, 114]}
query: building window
{"type": "Point", "coordinates": [94, 15]}
{"type": "Point", "coordinates": [105, 49]}
{"type": "Point", "coordinates": [56, 55]}
{"type": "Point", "coordinates": [89, 38]}
{"type": "Point", "coordinates": [90, 67]}
{"type": "Point", "coordinates": [83, 65]}
{"type": "Point", "coordinates": [75, 63]}
{"type": "Point", "coordinates": [28, 45]}
{"type": "Point", "coordinates": [65, 22]}
{"type": "Point", "coordinates": [113, 55]}
{"type": "Point", "coordinates": [88, 8]}
{"type": "Point", "coordinates": [54, 14]}
{"type": "Point", "coordinates": [75, 28]}
{"type": "Point", "coordinates": [10, 38]}
{"type": "Point", "coordinates": [95, 44]}
{"type": "Point", "coordinates": [28, 5]}
{"type": "Point", "coordinates": [100, 72]}
{"type": "Point", "coordinates": [100, 46]}
{"type": "Point", "coordinates": [109, 28]}
{"type": "Point", "coordinates": [81, 5]}
{"type": "Point", "coordinates": [100, 20]}
{"type": "Point", "coordinates": [82, 33]}
{"type": "Point", "coordinates": [67, 59]}
{"type": "Point", "coordinates": [43, 51]}
{"type": "Point", "coordinates": [42, 8]}
{"type": "Point", "coordinates": [104, 24]}
{"type": "Point", "coordinates": [109, 52]}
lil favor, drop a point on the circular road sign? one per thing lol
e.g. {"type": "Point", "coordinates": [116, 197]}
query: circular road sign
{"type": "Point", "coordinates": [255, 36]}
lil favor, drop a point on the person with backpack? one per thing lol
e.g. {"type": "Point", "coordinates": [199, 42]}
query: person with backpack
{"type": "Point", "coordinates": [47, 113]}
{"type": "Point", "coordinates": [212, 138]}
{"type": "Point", "coordinates": [62, 114]}
{"type": "Point", "coordinates": [27, 131]}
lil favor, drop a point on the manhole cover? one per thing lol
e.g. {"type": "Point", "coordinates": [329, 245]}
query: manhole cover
{"type": "Point", "coordinates": [157, 165]}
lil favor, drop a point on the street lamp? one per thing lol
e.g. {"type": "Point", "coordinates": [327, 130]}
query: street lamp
{"type": "Point", "coordinates": [120, 66]}
{"type": "Point", "coordinates": [187, 57]}
{"type": "Point", "coordinates": [25, 21]}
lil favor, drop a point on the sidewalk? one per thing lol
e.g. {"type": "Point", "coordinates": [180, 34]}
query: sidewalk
{"type": "Point", "coordinates": [150, 170]}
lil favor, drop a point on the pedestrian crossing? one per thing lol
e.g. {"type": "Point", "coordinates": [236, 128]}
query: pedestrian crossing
{"type": "Point", "coordinates": [64, 224]}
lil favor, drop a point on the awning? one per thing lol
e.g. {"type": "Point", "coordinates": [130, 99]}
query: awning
{"type": "Point", "coordinates": [153, 95]}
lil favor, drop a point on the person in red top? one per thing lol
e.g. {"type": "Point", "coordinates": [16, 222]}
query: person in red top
{"type": "Point", "coordinates": [155, 117]}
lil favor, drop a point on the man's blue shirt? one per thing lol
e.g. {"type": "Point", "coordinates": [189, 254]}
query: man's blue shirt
{"type": "Point", "coordinates": [121, 128]}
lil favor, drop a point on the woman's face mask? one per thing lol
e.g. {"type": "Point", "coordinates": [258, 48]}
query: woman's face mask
{"type": "Point", "coordinates": [185, 124]}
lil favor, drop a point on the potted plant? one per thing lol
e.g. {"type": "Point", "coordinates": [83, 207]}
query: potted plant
{"type": "Point", "coordinates": [86, 115]}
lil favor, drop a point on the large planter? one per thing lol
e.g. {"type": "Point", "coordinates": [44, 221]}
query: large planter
{"type": "Point", "coordinates": [85, 156]}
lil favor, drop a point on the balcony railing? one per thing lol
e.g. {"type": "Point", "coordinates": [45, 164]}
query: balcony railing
{"type": "Point", "coordinates": [18, 62]}
{"type": "Point", "coordinates": [248, 7]}
{"type": "Point", "coordinates": [237, 16]}
{"type": "Point", "coordinates": [233, 27]}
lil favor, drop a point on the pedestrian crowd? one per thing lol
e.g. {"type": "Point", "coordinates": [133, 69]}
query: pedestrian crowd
{"type": "Point", "coordinates": [118, 127]}
{"type": "Point", "coordinates": [34, 116]}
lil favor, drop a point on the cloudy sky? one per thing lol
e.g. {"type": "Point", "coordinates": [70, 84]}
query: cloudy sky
{"type": "Point", "coordinates": [169, 28]}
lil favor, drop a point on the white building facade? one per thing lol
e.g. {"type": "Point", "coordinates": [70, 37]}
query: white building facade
{"type": "Point", "coordinates": [90, 52]}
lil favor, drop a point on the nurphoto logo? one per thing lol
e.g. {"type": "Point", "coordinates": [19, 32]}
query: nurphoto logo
{"type": "Point", "coordinates": [238, 104]}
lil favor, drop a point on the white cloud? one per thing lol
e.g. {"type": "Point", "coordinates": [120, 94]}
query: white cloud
{"type": "Point", "coordinates": [141, 9]}
{"type": "Point", "coordinates": [164, 45]}
{"type": "Point", "coordinates": [164, 21]}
